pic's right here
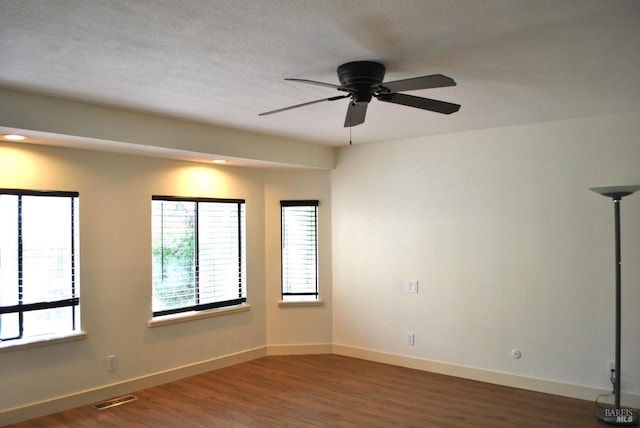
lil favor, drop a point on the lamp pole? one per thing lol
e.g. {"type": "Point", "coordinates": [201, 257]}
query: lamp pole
{"type": "Point", "coordinates": [618, 416]}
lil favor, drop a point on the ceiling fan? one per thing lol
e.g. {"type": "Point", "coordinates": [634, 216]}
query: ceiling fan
{"type": "Point", "coordinates": [362, 80]}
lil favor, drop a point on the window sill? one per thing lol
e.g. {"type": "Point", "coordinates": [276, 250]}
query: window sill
{"type": "Point", "coordinates": [299, 303]}
{"type": "Point", "coordinates": [190, 316]}
{"type": "Point", "coordinates": [34, 342]}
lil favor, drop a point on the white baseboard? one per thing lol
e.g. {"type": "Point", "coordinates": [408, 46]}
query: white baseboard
{"type": "Point", "coordinates": [499, 378]}
{"type": "Point", "coordinates": [89, 396]}
{"type": "Point", "coordinates": [86, 397]}
{"type": "Point", "coordinates": [306, 349]}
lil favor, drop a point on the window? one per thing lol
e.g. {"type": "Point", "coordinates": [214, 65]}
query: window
{"type": "Point", "coordinates": [299, 250]}
{"type": "Point", "coordinates": [198, 248]}
{"type": "Point", "coordinates": [39, 274]}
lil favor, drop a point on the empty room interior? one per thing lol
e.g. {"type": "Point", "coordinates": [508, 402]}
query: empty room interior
{"type": "Point", "coordinates": [413, 183]}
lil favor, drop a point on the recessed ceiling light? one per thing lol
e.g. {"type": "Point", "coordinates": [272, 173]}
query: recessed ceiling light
{"type": "Point", "coordinates": [13, 137]}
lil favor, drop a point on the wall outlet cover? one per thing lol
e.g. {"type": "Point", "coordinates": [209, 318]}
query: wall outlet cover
{"type": "Point", "coordinates": [412, 285]}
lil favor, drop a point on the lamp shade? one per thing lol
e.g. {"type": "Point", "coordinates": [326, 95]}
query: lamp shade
{"type": "Point", "coordinates": [616, 192]}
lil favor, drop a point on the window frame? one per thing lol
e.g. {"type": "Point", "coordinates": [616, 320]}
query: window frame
{"type": "Point", "coordinates": [241, 231]}
{"type": "Point", "coordinates": [289, 297]}
{"type": "Point", "coordinates": [72, 302]}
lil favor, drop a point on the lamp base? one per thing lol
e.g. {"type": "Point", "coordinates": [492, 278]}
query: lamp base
{"type": "Point", "coordinates": [620, 417]}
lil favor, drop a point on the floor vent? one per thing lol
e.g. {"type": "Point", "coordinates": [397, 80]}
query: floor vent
{"type": "Point", "coordinates": [114, 402]}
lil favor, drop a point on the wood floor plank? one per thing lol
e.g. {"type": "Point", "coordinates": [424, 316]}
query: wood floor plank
{"type": "Point", "coordinates": [328, 391]}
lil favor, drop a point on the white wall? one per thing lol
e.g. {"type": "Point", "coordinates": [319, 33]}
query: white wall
{"type": "Point", "coordinates": [510, 248]}
{"type": "Point", "coordinates": [115, 255]}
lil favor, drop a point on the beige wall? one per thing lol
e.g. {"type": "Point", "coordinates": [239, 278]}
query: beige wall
{"type": "Point", "coordinates": [115, 253]}
{"type": "Point", "coordinates": [72, 123]}
{"type": "Point", "coordinates": [299, 324]}
{"type": "Point", "coordinates": [510, 248]}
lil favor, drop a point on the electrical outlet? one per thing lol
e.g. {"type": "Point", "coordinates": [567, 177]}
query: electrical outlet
{"type": "Point", "coordinates": [411, 339]}
{"type": "Point", "coordinates": [611, 372]}
{"type": "Point", "coordinates": [112, 363]}
{"type": "Point", "coordinates": [412, 285]}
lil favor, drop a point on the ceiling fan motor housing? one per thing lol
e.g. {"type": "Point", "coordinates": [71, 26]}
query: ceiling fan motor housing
{"type": "Point", "coordinates": [361, 77]}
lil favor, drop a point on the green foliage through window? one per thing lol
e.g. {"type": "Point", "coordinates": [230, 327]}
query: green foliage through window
{"type": "Point", "coordinates": [198, 254]}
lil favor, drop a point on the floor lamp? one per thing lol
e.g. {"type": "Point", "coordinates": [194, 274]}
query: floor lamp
{"type": "Point", "coordinates": [617, 415]}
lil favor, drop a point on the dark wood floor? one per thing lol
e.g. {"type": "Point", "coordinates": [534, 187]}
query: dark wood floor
{"type": "Point", "coordinates": [329, 391]}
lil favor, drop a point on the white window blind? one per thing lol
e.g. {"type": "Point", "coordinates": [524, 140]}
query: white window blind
{"type": "Point", "coordinates": [39, 274]}
{"type": "Point", "coordinates": [299, 228]}
{"type": "Point", "coordinates": [199, 254]}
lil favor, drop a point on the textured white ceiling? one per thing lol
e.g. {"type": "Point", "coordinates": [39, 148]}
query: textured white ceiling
{"type": "Point", "coordinates": [223, 62]}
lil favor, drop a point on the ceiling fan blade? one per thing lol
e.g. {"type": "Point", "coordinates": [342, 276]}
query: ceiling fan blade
{"type": "Point", "coordinates": [339, 97]}
{"type": "Point", "coordinates": [419, 102]}
{"type": "Point", "coordinates": [423, 82]}
{"type": "Point", "coordinates": [313, 82]}
{"type": "Point", "coordinates": [355, 114]}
